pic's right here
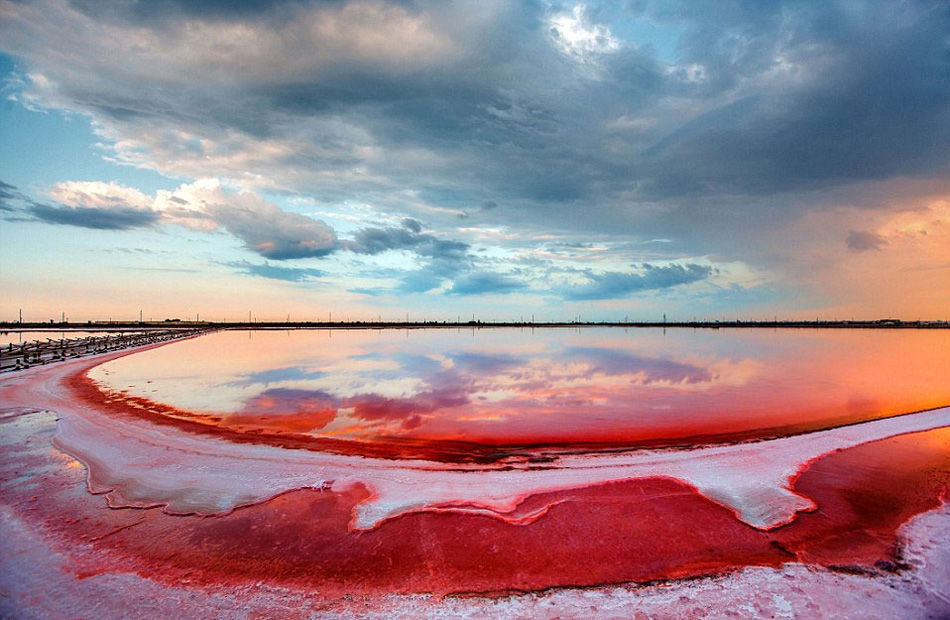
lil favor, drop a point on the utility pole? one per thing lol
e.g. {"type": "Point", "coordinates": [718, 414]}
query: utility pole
{"type": "Point", "coordinates": [21, 316]}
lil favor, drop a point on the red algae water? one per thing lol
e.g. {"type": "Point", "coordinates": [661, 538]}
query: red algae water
{"type": "Point", "coordinates": [259, 466]}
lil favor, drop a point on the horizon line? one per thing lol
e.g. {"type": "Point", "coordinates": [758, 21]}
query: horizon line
{"type": "Point", "coordinates": [705, 323]}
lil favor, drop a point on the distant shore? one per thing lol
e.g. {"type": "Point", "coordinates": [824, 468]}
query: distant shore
{"type": "Point", "coordinates": [706, 324]}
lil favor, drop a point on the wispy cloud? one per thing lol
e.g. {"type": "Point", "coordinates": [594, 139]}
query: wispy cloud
{"type": "Point", "coordinates": [8, 193]}
{"type": "Point", "coordinates": [648, 277]}
{"type": "Point", "coordinates": [277, 272]}
{"type": "Point", "coordinates": [483, 283]}
{"type": "Point", "coordinates": [100, 218]}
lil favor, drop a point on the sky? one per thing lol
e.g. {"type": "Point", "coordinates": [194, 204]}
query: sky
{"type": "Point", "coordinates": [498, 160]}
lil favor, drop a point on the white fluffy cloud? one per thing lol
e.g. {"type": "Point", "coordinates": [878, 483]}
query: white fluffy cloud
{"type": "Point", "coordinates": [263, 226]}
{"type": "Point", "coordinates": [98, 194]}
{"type": "Point", "coordinates": [574, 34]}
{"type": "Point", "coordinates": [203, 205]}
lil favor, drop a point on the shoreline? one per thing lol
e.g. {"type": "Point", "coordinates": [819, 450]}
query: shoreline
{"type": "Point", "coordinates": [25, 355]}
{"type": "Point", "coordinates": [474, 324]}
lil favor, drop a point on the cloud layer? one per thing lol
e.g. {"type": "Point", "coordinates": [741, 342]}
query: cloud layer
{"type": "Point", "coordinates": [649, 277]}
{"type": "Point", "coordinates": [528, 103]}
{"type": "Point", "coordinates": [715, 127]}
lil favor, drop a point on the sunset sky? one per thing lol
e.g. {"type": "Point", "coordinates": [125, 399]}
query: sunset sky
{"type": "Point", "coordinates": [507, 159]}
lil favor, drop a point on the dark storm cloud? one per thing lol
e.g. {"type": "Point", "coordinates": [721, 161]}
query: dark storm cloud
{"type": "Point", "coordinates": [99, 218]}
{"type": "Point", "coordinates": [789, 94]}
{"type": "Point", "coordinates": [651, 277]}
{"type": "Point", "coordinates": [864, 96]}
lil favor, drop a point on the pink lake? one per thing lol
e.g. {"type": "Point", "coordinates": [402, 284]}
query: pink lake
{"type": "Point", "coordinates": [520, 388]}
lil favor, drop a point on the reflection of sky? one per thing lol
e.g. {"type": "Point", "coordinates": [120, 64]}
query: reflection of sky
{"type": "Point", "coordinates": [514, 386]}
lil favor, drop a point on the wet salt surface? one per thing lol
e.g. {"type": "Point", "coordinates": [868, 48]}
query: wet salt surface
{"type": "Point", "coordinates": [343, 523]}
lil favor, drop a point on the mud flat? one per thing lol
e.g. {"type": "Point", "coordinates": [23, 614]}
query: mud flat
{"type": "Point", "coordinates": [844, 522]}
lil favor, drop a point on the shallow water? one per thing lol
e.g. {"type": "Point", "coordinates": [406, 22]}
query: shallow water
{"type": "Point", "coordinates": [593, 387]}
